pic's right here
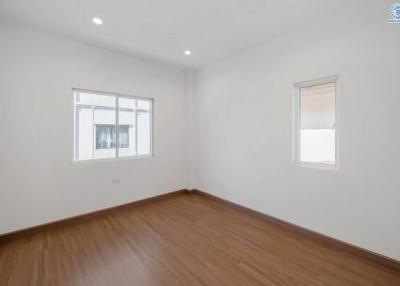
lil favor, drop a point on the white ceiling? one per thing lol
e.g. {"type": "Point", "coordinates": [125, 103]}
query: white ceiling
{"type": "Point", "coordinates": [163, 29]}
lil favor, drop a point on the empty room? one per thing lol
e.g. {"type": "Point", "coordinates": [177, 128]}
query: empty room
{"type": "Point", "coordinates": [199, 142]}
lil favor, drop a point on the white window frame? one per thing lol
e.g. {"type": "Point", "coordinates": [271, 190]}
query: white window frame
{"type": "Point", "coordinates": [117, 96]}
{"type": "Point", "coordinates": [296, 122]}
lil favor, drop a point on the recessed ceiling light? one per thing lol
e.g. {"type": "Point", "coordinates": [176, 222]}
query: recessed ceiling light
{"type": "Point", "coordinates": [97, 21]}
{"type": "Point", "coordinates": [187, 52]}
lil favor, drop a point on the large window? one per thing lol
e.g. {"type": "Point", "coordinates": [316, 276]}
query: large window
{"type": "Point", "coordinates": [111, 126]}
{"type": "Point", "coordinates": [316, 123]}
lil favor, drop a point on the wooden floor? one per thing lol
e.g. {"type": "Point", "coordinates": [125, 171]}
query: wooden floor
{"type": "Point", "coordinates": [182, 240]}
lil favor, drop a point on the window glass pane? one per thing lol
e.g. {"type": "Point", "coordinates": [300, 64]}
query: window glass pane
{"type": "Point", "coordinates": [127, 125]}
{"type": "Point", "coordinates": [143, 104]}
{"type": "Point", "coordinates": [95, 118]}
{"type": "Point", "coordinates": [105, 136]}
{"type": "Point", "coordinates": [124, 136]}
{"type": "Point", "coordinates": [317, 124]}
{"type": "Point", "coordinates": [144, 133]}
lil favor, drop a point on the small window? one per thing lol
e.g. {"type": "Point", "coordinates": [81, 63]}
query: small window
{"type": "Point", "coordinates": [106, 136]}
{"type": "Point", "coordinates": [316, 123]}
{"type": "Point", "coordinates": [124, 136]}
{"type": "Point", "coordinates": [111, 126]}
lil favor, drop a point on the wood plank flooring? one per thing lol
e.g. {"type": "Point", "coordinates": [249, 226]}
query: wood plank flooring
{"type": "Point", "coordinates": [183, 240]}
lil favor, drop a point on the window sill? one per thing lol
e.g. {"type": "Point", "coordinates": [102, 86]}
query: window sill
{"type": "Point", "coordinates": [319, 166]}
{"type": "Point", "coordinates": [109, 160]}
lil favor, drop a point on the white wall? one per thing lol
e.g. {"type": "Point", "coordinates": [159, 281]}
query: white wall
{"type": "Point", "coordinates": [38, 181]}
{"type": "Point", "coordinates": [242, 130]}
